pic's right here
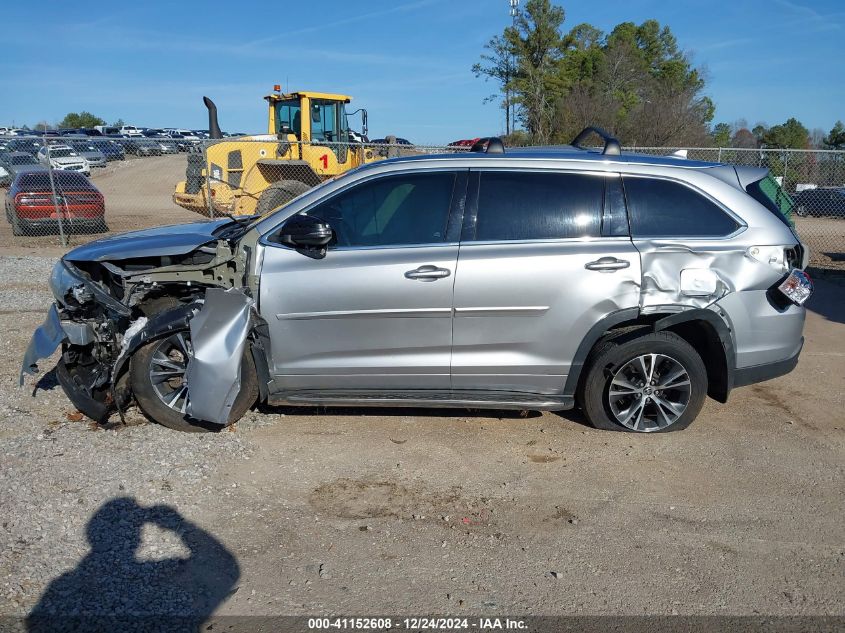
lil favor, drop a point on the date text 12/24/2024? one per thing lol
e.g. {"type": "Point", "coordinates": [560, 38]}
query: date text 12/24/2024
{"type": "Point", "coordinates": [416, 624]}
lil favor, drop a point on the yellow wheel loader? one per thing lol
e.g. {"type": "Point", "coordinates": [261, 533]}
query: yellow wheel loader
{"type": "Point", "coordinates": [308, 140]}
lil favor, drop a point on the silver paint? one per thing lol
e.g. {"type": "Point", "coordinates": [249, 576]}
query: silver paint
{"type": "Point", "coordinates": [218, 337]}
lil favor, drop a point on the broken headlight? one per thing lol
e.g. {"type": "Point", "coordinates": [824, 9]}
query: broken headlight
{"type": "Point", "coordinates": [64, 281]}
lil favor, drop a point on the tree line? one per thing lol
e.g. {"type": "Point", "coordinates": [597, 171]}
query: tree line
{"type": "Point", "coordinates": [635, 82]}
{"type": "Point", "coordinates": [73, 120]}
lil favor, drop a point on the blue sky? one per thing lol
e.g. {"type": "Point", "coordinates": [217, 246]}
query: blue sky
{"type": "Point", "coordinates": [407, 61]}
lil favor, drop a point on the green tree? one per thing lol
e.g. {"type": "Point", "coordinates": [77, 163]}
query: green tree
{"type": "Point", "coordinates": [836, 138]}
{"type": "Point", "coordinates": [80, 119]}
{"type": "Point", "coordinates": [537, 45]}
{"type": "Point", "coordinates": [497, 64]}
{"type": "Point", "coordinates": [789, 135]}
{"type": "Point", "coordinates": [744, 138]}
{"type": "Point", "coordinates": [119, 123]}
{"type": "Point", "coordinates": [722, 135]}
{"type": "Point", "coordinates": [635, 81]}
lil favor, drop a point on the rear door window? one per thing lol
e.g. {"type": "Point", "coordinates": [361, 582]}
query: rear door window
{"type": "Point", "coordinates": [664, 208]}
{"type": "Point", "coordinates": [538, 206]}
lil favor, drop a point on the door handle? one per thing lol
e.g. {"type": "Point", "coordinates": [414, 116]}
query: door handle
{"type": "Point", "coordinates": [607, 264]}
{"type": "Point", "coordinates": [428, 273]}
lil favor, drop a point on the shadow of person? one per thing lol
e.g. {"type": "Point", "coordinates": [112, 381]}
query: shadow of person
{"type": "Point", "coordinates": [111, 589]}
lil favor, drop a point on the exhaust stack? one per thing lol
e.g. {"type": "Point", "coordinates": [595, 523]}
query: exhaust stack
{"type": "Point", "coordinates": [213, 125]}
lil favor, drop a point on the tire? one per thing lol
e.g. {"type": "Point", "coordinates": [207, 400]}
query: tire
{"type": "Point", "coordinates": [17, 225]}
{"type": "Point", "coordinates": [157, 411]}
{"type": "Point", "coordinates": [616, 363]}
{"type": "Point", "coordinates": [279, 193]}
{"type": "Point", "coordinates": [801, 210]}
{"type": "Point", "coordinates": [100, 227]}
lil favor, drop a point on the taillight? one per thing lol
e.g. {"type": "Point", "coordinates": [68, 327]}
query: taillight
{"type": "Point", "coordinates": [29, 199]}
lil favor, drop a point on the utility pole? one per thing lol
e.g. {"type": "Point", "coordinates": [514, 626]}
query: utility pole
{"type": "Point", "coordinates": [509, 110]}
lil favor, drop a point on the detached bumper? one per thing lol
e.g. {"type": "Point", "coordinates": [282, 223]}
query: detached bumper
{"type": "Point", "coordinates": [45, 340]}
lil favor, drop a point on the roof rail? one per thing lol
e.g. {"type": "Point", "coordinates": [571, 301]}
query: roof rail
{"type": "Point", "coordinates": [489, 145]}
{"type": "Point", "coordinates": [611, 143]}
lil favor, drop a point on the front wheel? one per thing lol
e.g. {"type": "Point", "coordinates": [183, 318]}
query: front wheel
{"type": "Point", "coordinates": [157, 377]}
{"type": "Point", "coordinates": [278, 194]}
{"type": "Point", "coordinates": [644, 383]}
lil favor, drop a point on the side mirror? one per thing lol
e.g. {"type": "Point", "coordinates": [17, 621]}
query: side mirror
{"type": "Point", "coordinates": [364, 129]}
{"type": "Point", "coordinates": [307, 235]}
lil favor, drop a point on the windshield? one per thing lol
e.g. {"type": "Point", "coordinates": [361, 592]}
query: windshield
{"type": "Point", "coordinates": [22, 160]}
{"type": "Point", "coordinates": [770, 194]}
{"type": "Point", "coordinates": [288, 113]}
{"type": "Point", "coordinates": [62, 153]}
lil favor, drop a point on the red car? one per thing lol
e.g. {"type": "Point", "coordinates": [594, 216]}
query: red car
{"type": "Point", "coordinates": [31, 207]}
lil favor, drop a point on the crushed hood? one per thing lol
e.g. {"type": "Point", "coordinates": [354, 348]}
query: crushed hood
{"type": "Point", "coordinates": [177, 239]}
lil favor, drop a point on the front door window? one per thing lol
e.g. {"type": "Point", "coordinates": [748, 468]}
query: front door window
{"type": "Point", "coordinates": [392, 211]}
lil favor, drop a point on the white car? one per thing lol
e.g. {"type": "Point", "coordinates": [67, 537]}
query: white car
{"type": "Point", "coordinates": [63, 157]}
{"type": "Point", "coordinates": [188, 135]}
{"type": "Point", "coordinates": [131, 130]}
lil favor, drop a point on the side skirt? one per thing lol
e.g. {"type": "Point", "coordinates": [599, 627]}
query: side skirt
{"type": "Point", "coordinates": [425, 398]}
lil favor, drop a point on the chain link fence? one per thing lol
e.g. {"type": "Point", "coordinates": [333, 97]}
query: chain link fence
{"type": "Point", "coordinates": [63, 191]}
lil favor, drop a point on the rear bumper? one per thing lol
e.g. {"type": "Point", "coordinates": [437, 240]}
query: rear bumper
{"type": "Point", "coordinates": [758, 373]}
{"type": "Point", "coordinates": [68, 224]}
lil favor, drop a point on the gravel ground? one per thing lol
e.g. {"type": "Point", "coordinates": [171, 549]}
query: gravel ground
{"type": "Point", "coordinates": [363, 511]}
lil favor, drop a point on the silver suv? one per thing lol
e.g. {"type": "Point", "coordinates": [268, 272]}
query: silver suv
{"type": "Point", "coordinates": [630, 286]}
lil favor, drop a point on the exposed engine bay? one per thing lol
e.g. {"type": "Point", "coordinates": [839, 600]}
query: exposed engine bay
{"type": "Point", "coordinates": [115, 295]}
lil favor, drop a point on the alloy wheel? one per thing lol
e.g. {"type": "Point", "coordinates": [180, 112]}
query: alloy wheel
{"type": "Point", "coordinates": [167, 371]}
{"type": "Point", "coordinates": [649, 392]}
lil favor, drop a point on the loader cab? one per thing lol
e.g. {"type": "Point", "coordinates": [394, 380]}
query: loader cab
{"type": "Point", "coordinates": [310, 116]}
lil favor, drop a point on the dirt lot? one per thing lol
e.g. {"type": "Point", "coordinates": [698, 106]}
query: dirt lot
{"type": "Point", "coordinates": [409, 511]}
{"type": "Point", "coordinates": [412, 511]}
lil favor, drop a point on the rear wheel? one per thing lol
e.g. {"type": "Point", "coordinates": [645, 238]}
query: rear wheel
{"type": "Point", "coordinates": [644, 383]}
{"type": "Point", "coordinates": [100, 227]}
{"type": "Point", "coordinates": [17, 225]}
{"type": "Point", "coordinates": [157, 377]}
{"type": "Point", "coordinates": [279, 193]}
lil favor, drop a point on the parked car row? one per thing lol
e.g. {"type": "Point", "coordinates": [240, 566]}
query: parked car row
{"type": "Point", "coordinates": [97, 151]}
{"type": "Point", "coordinates": [124, 131]}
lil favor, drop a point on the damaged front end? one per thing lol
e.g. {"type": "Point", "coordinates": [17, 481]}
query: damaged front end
{"type": "Point", "coordinates": [116, 295]}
